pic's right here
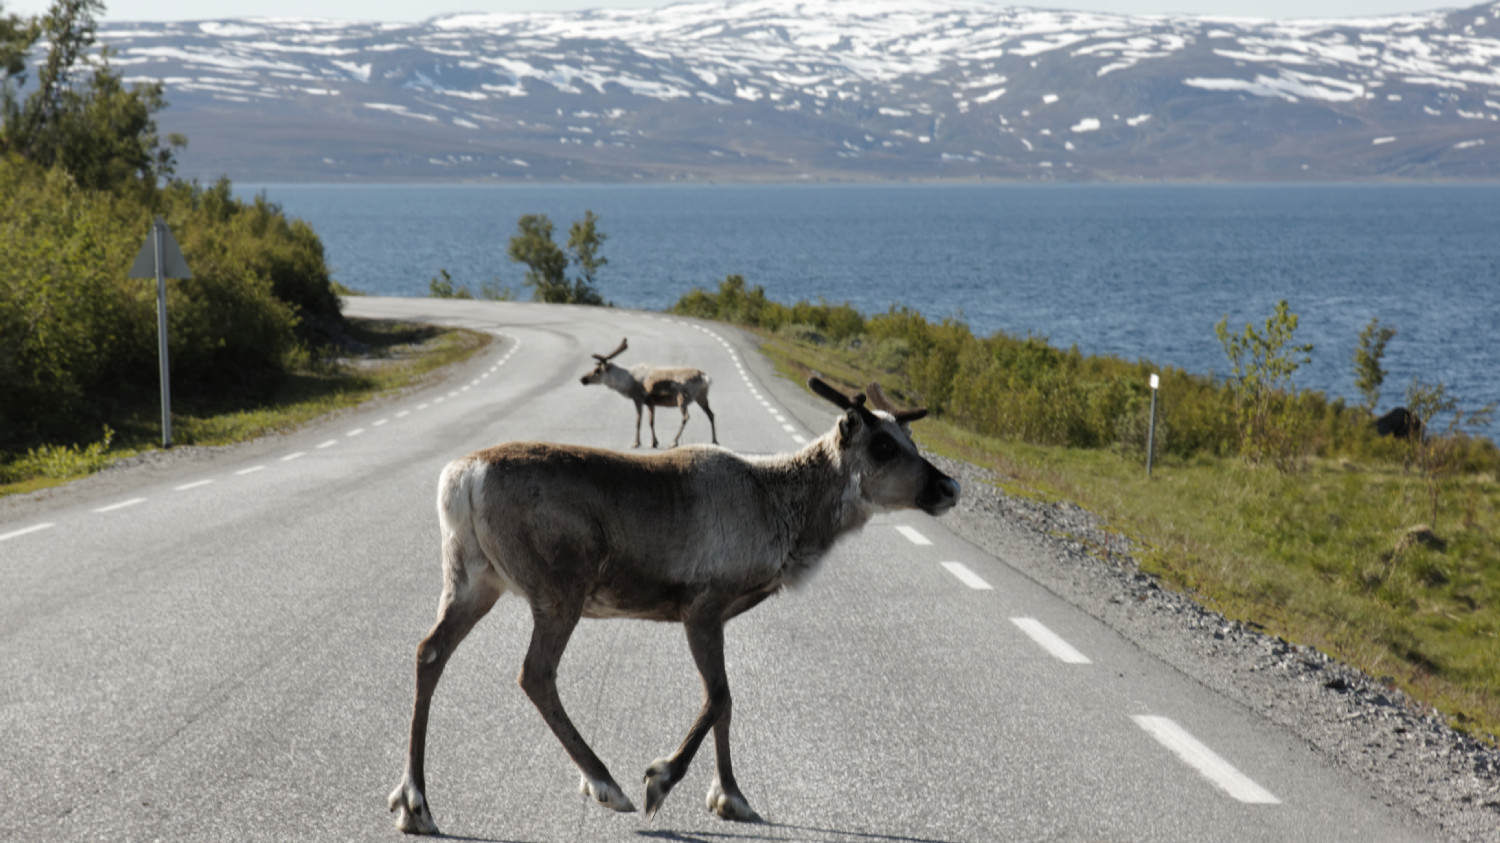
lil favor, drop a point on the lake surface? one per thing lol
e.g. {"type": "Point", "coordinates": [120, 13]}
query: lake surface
{"type": "Point", "coordinates": [1131, 271]}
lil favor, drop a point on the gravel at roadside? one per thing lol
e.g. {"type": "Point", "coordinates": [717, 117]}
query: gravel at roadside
{"type": "Point", "coordinates": [1405, 750]}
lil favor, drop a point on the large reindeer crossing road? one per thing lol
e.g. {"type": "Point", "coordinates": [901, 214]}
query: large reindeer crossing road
{"type": "Point", "coordinates": [218, 646]}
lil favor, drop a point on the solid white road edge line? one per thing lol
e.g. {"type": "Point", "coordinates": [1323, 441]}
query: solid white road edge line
{"type": "Point", "coordinates": [1204, 760]}
{"type": "Point", "coordinates": [1050, 641]}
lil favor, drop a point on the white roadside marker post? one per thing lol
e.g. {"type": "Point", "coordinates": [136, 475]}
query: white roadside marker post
{"type": "Point", "coordinates": [1151, 426]}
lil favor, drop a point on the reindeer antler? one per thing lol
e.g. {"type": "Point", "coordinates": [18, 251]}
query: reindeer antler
{"type": "Point", "coordinates": [844, 402]}
{"type": "Point", "coordinates": [880, 402]}
{"type": "Point", "coordinates": [878, 399]}
{"type": "Point", "coordinates": [604, 358]}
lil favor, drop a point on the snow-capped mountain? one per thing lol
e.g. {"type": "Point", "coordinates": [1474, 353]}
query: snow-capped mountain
{"type": "Point", "coordinates": [827, 90]}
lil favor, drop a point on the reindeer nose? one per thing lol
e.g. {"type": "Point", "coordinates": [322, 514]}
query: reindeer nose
{"type": "Point", "coordinates": [940, 493]}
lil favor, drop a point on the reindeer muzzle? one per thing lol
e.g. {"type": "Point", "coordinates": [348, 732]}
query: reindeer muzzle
{"type": "Point", "coordinates": [939, 494]}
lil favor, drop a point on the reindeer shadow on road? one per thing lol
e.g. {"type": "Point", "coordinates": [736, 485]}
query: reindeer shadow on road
{"type": "Point", "coordinates": [784, 831]}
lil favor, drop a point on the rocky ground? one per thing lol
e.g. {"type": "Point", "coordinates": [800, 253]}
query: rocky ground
{"type": "Point", "coordinates": [1405, 750]}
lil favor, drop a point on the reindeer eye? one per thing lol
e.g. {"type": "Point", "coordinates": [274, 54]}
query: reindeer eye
{"type": "Point", "coordinates": [883, 447]}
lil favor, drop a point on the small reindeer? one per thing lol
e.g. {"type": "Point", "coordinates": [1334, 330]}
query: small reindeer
{"type": "Point", "coordinates": [653, 386]}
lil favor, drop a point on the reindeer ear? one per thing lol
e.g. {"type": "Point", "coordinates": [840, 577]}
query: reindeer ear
{"type": "Point", "coordinates": [848, 427]}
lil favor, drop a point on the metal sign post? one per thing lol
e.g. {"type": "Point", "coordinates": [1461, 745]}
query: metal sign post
{"type": "Point", "coordinates": [159, 258]}
{"type": "Point", "coordinates": [1151, 428]}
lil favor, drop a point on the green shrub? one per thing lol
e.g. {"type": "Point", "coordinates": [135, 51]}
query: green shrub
{"type": "Point", "coordinates": [59, 461]}
{"type": "Point", "coordinates": [1027, 389]}
{"type": "Point", "coordinates": [78, 339]}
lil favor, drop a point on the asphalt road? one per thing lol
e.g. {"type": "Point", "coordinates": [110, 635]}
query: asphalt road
{"type": "Point", "coordinates": [219, 646]}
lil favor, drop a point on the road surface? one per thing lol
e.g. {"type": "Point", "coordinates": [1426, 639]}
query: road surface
{"type": "Point", "coordinates": [219, 647]}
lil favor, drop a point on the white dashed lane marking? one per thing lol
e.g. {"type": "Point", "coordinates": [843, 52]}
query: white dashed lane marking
{"type": "Point", "coordinates": [1204, 760]}
{"type": "Point", "coordinates": [45, 525]}
{"type": "Point", "coordinates": [121, 505]}
{"type": "Point", "coordinates": [966, 576]}
{"type": "Point", "coordinates": [912, 535]}
{"type": "Point", "coordinates": [12, 534]}
{"type": "Point", "coordinates": [1050, 641]}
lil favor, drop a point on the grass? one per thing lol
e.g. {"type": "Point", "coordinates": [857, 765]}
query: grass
{"type": "Point", "coordinates": [1316, 557]}
{"type": "Point", "coordinates": [394, 355]}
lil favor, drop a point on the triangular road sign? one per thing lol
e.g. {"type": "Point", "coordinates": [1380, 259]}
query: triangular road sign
{"type": "Point", "coordinates": [173, 265]}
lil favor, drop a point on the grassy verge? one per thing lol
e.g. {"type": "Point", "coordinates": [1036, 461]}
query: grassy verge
{"type": "Point", "coordinates": [1319, 557]}
{"type": "Point", "coordinates": [394, 355]}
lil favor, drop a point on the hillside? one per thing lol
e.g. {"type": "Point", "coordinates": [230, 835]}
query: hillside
{"type": "Point", "coordinates": [840, 90]}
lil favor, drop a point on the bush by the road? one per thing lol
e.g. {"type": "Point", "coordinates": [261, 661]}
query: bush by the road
{"type": "Point", "coordinates": [78, 344]}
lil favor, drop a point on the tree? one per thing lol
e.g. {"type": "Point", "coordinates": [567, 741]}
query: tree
{"type": "Point", "coordinates": [1368, 373]}
{"type": "Point", "coordinates": [16, 39]}
{"type": "Point", "coordinates": [1262, 365]}
{"type": "Point", "coordinates": [548, 264]}
{"type": "Point", "coordinates": [1438, 455]}
{"type": "Point", "coordinates": [81, 116]}
{"type": "Point", "coordinates": [585, 241]}
{"type": "Point", "coordinates": [444, 288]}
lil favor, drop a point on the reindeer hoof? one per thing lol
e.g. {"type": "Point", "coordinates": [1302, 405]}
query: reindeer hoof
{"type": "Point", "coordinates": [659, 782]}
{"type": "Point", "coordinates": [606, 793]}
{"type": "Point", "coordinates": [412, 814]}
{"type": "Point", "coordinates": [730, 806]}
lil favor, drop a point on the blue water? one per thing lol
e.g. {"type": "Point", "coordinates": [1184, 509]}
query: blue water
{"type": "Point", "coordinates": [1132, 271]}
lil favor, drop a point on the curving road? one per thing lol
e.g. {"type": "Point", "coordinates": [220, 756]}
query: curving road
{"type": "Point", "coordinates": [218, 646]}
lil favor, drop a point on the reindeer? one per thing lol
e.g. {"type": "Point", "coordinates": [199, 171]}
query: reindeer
{"type": "Point", "coordinates": [696, 536]}
{"type": "Point", "coordinates": [652, 387]}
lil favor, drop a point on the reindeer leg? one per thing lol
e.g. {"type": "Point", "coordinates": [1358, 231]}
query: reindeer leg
{"type": "Point", "coordinates": [713, 429]}
{"type": "Point", "coordinates": [465, 600]}
{"type": "Point", "coordinates": [549, 636]}
{"type": "Point", "coordinates": [724, 797]}
{"type": "Point", "coordinates": [682, 404]}
{"type": "Point", "coordinates": [638, 426]}
{"type": "Point", "coordinates": [706, 640]}
{"type": "Point", "coordinates": [651, 408]}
